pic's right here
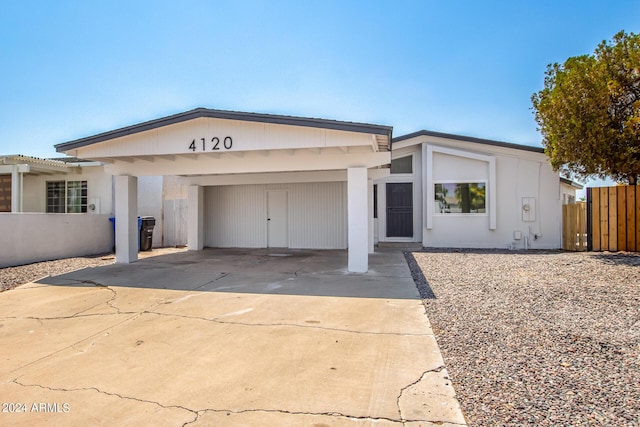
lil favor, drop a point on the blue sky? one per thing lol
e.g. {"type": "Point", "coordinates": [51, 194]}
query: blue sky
{"type": "Point", "coordinates": [70, 69]}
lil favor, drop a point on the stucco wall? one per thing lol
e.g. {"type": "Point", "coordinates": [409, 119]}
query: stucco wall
{"type": "Point", "coordinates": [150, 204]}
{"type": "Point", "coordinates": [99, 185]}
{"type": "Point", "coordinates": [100, 194]}
{"type": "Point", "coordinates": [516, 178]}
{"type": "Point", "coordinates": [32, 237]}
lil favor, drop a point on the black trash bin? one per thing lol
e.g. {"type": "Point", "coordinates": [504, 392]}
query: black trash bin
{"type": "Point", "coordinates": [146, 232]}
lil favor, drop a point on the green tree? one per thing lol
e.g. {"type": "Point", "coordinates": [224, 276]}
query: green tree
{"type": "Point", "coordinates": [589, 111]}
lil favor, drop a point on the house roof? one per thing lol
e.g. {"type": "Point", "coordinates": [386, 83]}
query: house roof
{"type": "Point", "coordinates": [571, 183]}
{"type": "Point", "coordinates": [228, 115]}
{"type": "Point", "coordinates": [468, 139]}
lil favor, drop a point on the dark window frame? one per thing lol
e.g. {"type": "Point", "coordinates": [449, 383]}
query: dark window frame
{"type": "Point", "coordinates": [466, 198]}
{"type": "Point", "coordinates": [66, 196]}
{"type": "Point", "coordinates": [375, 200]}
{"type": "Point", "coordinates": [399, 165]}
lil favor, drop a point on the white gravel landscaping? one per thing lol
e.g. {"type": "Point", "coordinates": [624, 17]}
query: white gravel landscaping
{"type": "Point", "coordinates": [537, 338]}
{"type": "Point", "coordinates": [10, 277]}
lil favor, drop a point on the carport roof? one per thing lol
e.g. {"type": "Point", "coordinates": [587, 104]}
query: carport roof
{"type": "Point", "coordinates": [37, 165]}
{"type": "Point", "coordinates": [229, 115]}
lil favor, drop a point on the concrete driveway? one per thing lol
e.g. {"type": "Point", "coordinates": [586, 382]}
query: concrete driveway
{"type": "Point", "coordinates": [224, 337]}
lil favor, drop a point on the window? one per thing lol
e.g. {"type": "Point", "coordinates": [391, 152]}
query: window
{"type": "Point", "coordinates": [67, 196]}
{"type": "Point", "coordinates": [460, 198]}
{"type": "Point", "coordinates": [375, 200]}
{"type": "Point", "coordinates": [402, 165]}
{"type": "Point", "coordinates": [5, 193]}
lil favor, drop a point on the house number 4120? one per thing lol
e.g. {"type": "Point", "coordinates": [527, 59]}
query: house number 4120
{"type": "Point", "coordinates": [215, 144]}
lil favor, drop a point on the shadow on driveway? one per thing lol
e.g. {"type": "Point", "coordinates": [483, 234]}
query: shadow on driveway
{"type": "Point", "coordinates": [256, 271]}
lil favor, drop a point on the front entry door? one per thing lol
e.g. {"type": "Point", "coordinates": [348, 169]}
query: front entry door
{"type": "Point", "coordinates": [399, 209]}
{"type": "Point", "coordinates": [277, 223]}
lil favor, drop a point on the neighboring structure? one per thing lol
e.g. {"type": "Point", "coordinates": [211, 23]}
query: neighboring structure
{"type": "Point", "coordinates": [232, 179]}
{"type": "Point", "coordinates": [15, 173]}
{"type": "Point", "coordinates": [568, 190]}
{"type": "Point", "coordinates": [70, 185]}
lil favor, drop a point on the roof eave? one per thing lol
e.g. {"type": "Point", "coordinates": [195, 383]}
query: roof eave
{"type": "Point", "coordinates": [468, 139]}
{"type": "Point", "coordinates": [571, 183]}
{"type": "Point", "coordinates": [228, 115]}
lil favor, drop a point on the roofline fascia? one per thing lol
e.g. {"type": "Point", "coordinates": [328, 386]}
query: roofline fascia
{"type": "Point", "coordinates": [227, 115]}
{"type": "Point", "coordinates": [467, 139]}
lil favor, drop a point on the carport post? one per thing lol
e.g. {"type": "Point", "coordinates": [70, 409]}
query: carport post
{"type": "Point", "coordinates": [126, 210]}
{"type": "Point", "coordinates": [370, 214]}
{"type": "Point", "coordinates": [358, 224]}
{"type": "Point", "coordinates": [195, 232]}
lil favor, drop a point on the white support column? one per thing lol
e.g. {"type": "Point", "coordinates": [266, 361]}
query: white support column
{"type": "Point", "coordinates": [427, 188]}
{"type": "Point", "coordinates": [195, 232]}
{"type": "Point", "coordinates": [17, 184]}
{"type": "Point", "coordinates": [370, 214]}
{"type": "Point", "coordinates": [21, 207]}
{"type": "Point", "coordinates": [126, 219]}
{"type": "Point", "coordinates": [357, 207]}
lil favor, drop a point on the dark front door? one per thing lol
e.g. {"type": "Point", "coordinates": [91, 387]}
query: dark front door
{"type": "Point", "coordinates": [400, 209]}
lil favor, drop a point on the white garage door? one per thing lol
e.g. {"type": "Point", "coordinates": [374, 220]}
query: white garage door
{"type": "Point", "coordinates": [309, 215]}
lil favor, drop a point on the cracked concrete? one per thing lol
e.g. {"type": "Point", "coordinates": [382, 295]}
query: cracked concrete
{"type": "Point", "coordinates": [226, 337]}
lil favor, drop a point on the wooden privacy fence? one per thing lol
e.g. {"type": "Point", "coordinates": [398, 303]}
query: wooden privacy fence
{"type": "Point", "coordinates": [574, 227]}
{"type": "Point", "coordinates": [613, 218]}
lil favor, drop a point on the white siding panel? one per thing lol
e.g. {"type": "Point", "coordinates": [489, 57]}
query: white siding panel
{"type": "Point", "coordinates": [247, 136]}
{"type": "Point", "coordinates": [317, 215]}
{"type": "Point", "coordinates": [175, 222]}
{"type": "Point", "coordinates": [458, 169]}
{"type": "Point", "coordinates": [236, 215]}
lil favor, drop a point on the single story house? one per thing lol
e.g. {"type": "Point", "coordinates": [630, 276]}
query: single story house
{"type": "Point", "coordinates": [216, 178]}
{"type": "Point", "coordinates": [448, 190]}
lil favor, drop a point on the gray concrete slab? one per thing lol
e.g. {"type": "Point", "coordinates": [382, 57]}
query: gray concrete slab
{"type": "Point", "coordinates": [225, 337]}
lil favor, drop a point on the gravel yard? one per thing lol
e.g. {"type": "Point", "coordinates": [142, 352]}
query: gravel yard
{"type": "Point", "coordinates": [537, 338]}
{"type": "Point", "coordinates": [10, 277]}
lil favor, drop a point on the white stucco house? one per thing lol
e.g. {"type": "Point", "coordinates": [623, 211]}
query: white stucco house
{"type": "Point", "coordinates": [217, 178]}
{"type": "Point", "coordinates": [455, 191]}
{"type": "Point", "coordinates": [254, 180]}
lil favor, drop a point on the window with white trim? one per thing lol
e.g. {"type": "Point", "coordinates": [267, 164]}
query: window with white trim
{"type": "Point", "coordinates": [460, 198]}
{"type": "Point", "coordinates": [66, 196]}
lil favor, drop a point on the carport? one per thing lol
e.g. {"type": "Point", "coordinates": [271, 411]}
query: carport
{"type": "Point", "coordinates": [255, 180]}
